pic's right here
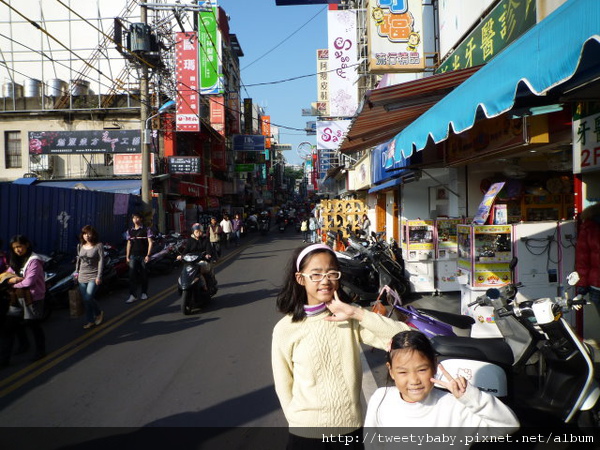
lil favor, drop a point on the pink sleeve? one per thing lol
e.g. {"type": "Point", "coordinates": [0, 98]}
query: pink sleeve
{"type": "Point", "coordinates": [35, 269]}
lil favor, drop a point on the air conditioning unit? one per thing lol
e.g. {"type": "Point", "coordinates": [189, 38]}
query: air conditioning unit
{"type": "Point", "coordinates": [41, 163]}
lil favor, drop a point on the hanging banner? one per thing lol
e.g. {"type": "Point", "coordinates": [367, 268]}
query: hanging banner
{"type": "Point", "coordinates": [330, 134]}
{"type": "Point", "coordinates": [186, 72]}
{"type": "Point", "coordinates": [209, 36]}
{"type": "Point", "coordinates": [395, 36]}
{"type": "Point", "coordinates": [343, 63]}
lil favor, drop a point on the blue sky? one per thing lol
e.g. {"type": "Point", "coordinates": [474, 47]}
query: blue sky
{"type": "Point", "coordinates": [260, 26]}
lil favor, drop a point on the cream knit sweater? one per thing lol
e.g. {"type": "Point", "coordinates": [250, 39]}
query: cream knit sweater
{"type": "Point", "coordinates": [318, 373]}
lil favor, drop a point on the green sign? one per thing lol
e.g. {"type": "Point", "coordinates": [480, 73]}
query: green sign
{"type": "Point", "coordinates": [244, 167]}
{"type": "Point", "coordinates": [209, 52]}
{"type": "Point", "coordinates": [507, 21]}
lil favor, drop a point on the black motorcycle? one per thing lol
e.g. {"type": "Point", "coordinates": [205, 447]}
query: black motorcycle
{"type": "Point", "coordinates": [196, 284]}
{"type": "Point", "coordinates": [367, 267]}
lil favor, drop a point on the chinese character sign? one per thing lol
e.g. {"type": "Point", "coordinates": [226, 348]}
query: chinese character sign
{"type": "Point", "coordinates": [395, 36]}
{"type": "Point", "coordinates": [209, 36]}
{"type": "Point", "coordinates": [81, 142]}
{"type": "Point", "coordinates": [330, 134]}
{"type": "Point", "coordinates": [323, 80]}
{"type": "Point", "coordinates": [343, 63]}
{"type": "Point", "coordinates": [586, 144]}
{"type": "Point", "coordinates": [186, 70]}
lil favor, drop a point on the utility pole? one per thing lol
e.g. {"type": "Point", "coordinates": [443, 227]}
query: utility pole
{"type": "Point", "coordinates": [144, 106]}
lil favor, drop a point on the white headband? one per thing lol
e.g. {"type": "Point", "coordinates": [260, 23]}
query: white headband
{"type": "Point", "coordinates": [309, 249]}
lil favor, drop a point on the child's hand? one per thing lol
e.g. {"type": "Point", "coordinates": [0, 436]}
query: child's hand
{"type": "Point", "coordinates": [456, 386]}
{"type": "Point", "coordinates": [342, 311]}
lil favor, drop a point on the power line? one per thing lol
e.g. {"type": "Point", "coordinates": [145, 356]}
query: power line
{"type": "Point", "coordinates": [282, 42]}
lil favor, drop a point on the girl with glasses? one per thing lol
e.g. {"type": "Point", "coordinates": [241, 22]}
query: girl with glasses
{"type": "Point", "coordinates": [316, 350]}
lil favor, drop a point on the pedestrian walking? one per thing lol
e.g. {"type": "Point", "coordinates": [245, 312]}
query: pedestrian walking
{"type": "Point", "coordinates": [139, 248]}
{"type": "Point", "coordinates": [27, 300]}
{"type": "Point", "coordinates": [88, 271]}
{"type": "Point", "coordinates": [227, 229]}
{"type": "Point", "coordinates": [238, 229]}
{"type": "Point", "coordinates": [214, 237]}
{"type": "Point", "coordinates": [305, 230]}
{"type": "Point", "coordinates": [313, 227]}
{"type": "Point", "coordinates": [315, 348]}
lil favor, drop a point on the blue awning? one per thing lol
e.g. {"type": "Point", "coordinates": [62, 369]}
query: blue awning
{"type": "Point", "coordinates": [386, 185]}
{"type": "Point", "coordinates": [563, 51]}
{"type": "Point", "coordinates": [113, 186]}
{"type": "Point", "coordinates": [25, 180]}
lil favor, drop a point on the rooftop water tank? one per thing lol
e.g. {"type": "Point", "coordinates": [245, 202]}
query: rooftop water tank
{"type": "Point", "coordinates": [56, 87]}
{"type": "Point", "coordinates": [32, 88]}
{"type": "Point", "coordinates": [80, 87]}
{"type": "Point", "coordinates": [12, 90]}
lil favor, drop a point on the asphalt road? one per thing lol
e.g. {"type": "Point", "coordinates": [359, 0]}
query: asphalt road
{"type": "Point", "coordinates": [150, 366]}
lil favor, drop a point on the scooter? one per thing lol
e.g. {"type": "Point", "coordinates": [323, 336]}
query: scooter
{"type": "Point", "coordinates": [196, 284]}
{"type": "Point", "coordinates": [540, 365]}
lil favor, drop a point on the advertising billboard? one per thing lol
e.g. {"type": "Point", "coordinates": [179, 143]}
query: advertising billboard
{"type": "Point", "coordinates": [80, 142]}
{"type": "Point", "coordinates": [323, 80]}
{"type": "Point", "coordinates": [395, 36]}
{"type": "Point", "coordinates": [330, 134]}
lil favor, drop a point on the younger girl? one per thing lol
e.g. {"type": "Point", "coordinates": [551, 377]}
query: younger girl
{"type": "Point", "coordinates": [413, 402]}
{"type": "Point", "coordinates": [88, 271]}
{"type": "Point", "coordinates": [316, 350]}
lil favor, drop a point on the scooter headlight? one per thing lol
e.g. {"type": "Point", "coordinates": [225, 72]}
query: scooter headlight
{"type": "Point", "coordinates": [190, 258]}
{"type": "Point", "coordinates": [190, 270]}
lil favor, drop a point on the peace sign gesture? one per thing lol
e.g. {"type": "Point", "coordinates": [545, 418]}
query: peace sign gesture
{"type": "Point", "coordinates": [457, 386]}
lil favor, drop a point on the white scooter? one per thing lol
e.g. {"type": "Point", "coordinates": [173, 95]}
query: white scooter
{"type": "Point", "coordinates": [541, 367]}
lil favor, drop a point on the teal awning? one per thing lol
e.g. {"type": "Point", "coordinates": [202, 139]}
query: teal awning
{"type": "Point", "coordinates": [560, 53]}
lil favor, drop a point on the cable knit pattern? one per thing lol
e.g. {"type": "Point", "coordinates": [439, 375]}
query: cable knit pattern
{"type": "Point", "coordinates": [318, 373]}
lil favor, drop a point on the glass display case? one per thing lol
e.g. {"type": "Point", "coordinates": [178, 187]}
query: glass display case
{"type": "Point", "coordinates": [418, 240]}
{"type": "Point", "coordinates": [485, 251]}
{"type": "Point", "coordinates": [446, 238]}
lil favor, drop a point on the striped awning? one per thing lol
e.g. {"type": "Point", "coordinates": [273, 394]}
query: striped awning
{"type": "Point", "coordinates": [387, 111]}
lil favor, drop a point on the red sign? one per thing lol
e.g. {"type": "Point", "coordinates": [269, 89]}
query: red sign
{"type": "Point", "coordinates": [266, 130]}
{"type": "Point", "coordinates": [215, 187]}
{"type": "Point", "coordinates": [186, 70]}
{"type": "Point", "coordinates": [191, 189]}
{"type": "Point", "coordinates": [217, 113]}
{"type": "Point", "coordinates": [130, 164]}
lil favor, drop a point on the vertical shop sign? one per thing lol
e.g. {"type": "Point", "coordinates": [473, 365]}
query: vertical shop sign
{"type": "Point", "coordinates": [186, 68]}
{"type": "Point", "coordinates": [395, 36]}
{"type": "Point", "coordinates": [505, 23]}
{"type": "Point", "coordinates": [211, 72]}
{"type": "Point", "coordinates": [265, 124]}
{"type": "Point", "coordinates": [343, 62]}
{"type": "Point", "coordinates": [234, 106]}
{"type": "Point", "coordinates": [323, 81]}
{"type": "Point", "coordinates": [217, 113]}
{"type": "Point", "coordinates": [248, 116]}
{"type": "Point", "coordinates": [586, 144]}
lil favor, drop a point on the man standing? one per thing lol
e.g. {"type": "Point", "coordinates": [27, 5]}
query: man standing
{"type": "Point", "coordinates": [139, 247]}
{"type": "Point", "coordinates": [227, 228]}
{"type": "Point", "coordinates": [214, 236]}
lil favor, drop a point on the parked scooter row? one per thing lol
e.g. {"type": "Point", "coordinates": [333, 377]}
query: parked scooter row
{"type": "Point", "coordinates": [540, 366]}
{"type": "Point", "coordinates": [367, 265]}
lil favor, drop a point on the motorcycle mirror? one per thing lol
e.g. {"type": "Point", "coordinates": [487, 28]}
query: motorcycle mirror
{"type": "Point", "coordinates": [573, 278]}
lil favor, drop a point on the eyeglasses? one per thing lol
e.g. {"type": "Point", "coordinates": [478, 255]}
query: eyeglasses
{"type": "Point", "coordinates": [332, 276]}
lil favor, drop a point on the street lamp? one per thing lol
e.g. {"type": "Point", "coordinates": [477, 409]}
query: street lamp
{"type": "Point", "coordinates": [146, 155]}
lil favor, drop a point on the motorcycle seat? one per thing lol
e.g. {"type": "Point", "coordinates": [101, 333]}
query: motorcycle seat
{"type": "Point", "coordinates": [494, 350]}
{"type": "Point", "coordinates": [456, 320]}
